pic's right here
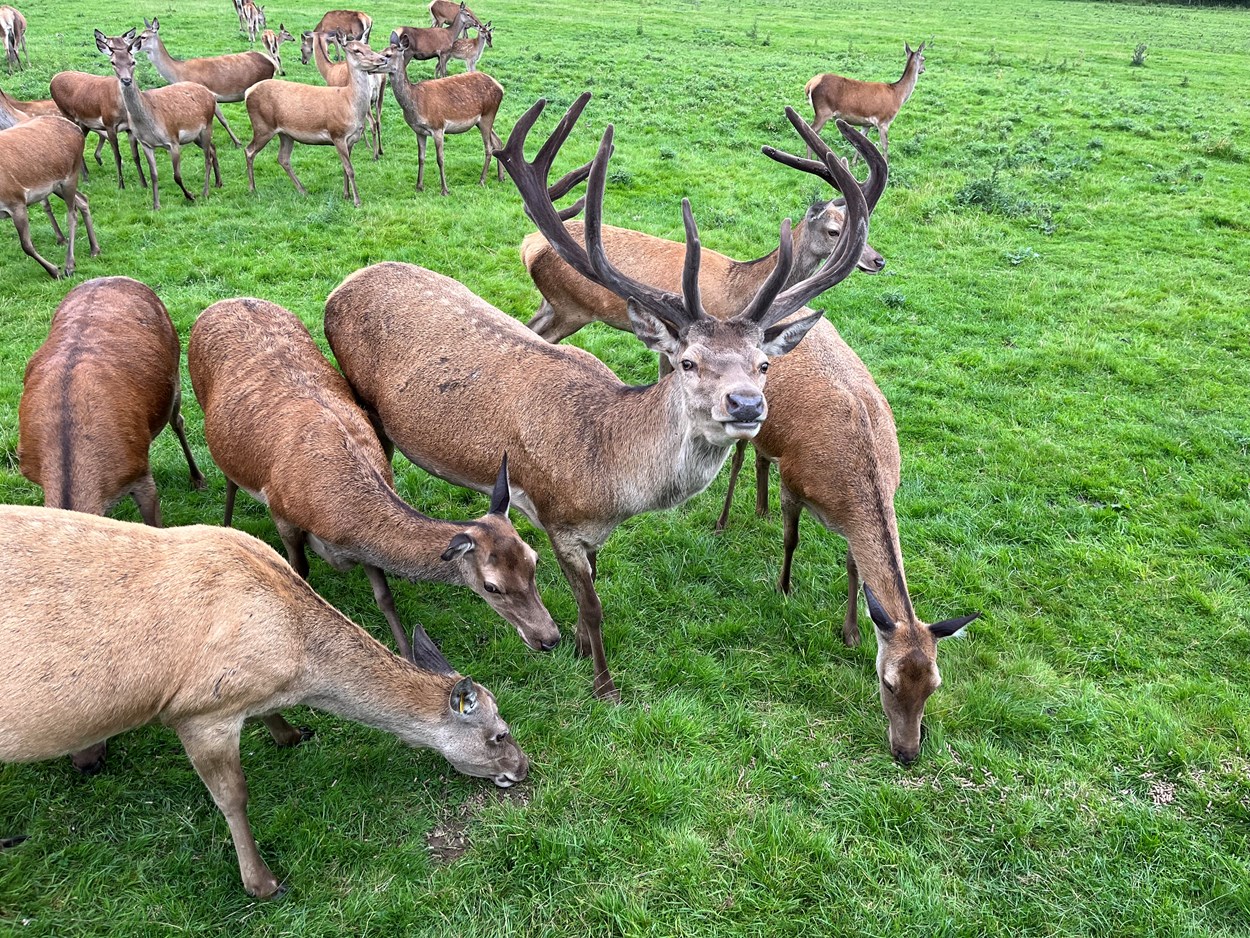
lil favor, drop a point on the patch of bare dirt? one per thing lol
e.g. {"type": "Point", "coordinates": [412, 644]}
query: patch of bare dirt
{"type": "Point", "coordinates": [448, 840]}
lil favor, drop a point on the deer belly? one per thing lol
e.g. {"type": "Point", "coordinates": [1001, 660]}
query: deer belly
{"type": "Point", "coordinates": [39, 193]}
{"type": "Point", "coordinates": [309, 136]}
{"type": "Point", "coordinates": [337, 557]}
{"type": "Point", "coordinates": [459, 127]}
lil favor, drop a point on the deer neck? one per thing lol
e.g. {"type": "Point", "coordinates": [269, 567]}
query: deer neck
{"type": "Point", "coordinates": [321, 55]}
{"type": "Point", "coordinates": [407, 93]}
{"type": "Point", "coordinates": [871, 534]}
{"type": "Point", "coordinates": [141, 121]}
{"type": "Point", "coordinates": [907, 84]}
{"type": "Point", "coordinates": [361, 86]}
{"type": "Point", "coordinates": [399, 539]}
{"type": "Point", "coordinates": [165, 64]}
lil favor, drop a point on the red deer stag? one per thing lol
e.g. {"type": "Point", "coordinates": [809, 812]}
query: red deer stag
{"type": "Point", "coordinates": [448, 377]}
{"type": "Point", "coordinates": [829, 428]}
{"type": "Point", "coordinates": [864, 103]}
{"type": "Point", "coordinates": [433, 43]}
{"type": "Point", "coordinates": [316, 46]}
{"type": "Point", "coordinates": [164, 118]}
{"type": "Point", "coordinates": [292, 111]}
{"type": "Point", "coordinates": [440, 106]}
{"type": "Point", "coordinates": [282, 424]}
{"type": "Point", "coordinates": [469, 51]}
{"type": "Point", "coordinates": [202, 628]}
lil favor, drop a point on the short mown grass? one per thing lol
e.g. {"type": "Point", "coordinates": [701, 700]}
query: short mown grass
{"type": "Point", "coordinates": [1061, 330]}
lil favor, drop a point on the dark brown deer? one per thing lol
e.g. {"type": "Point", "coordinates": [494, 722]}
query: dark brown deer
{"type": "Point", "coordinates": [433, 43]}
{"type": "Point", "coordinates": [202, 628]}
{"type": "Point", "coordinates": [448, 377]}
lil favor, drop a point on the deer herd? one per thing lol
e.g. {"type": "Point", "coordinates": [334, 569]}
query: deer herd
{"type": "Point", "coordinates": [203, 627]}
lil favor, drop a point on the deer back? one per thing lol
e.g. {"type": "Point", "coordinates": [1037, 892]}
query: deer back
{"type": "Point", "coordinates": [452, 103]}
{"type": "Point", "coordinates": [226, 76]}
{"type": "Point", "coordinates": [351, 23]}
{"type": "Point", "coordinates": [94, 101]}
{"type": "Point", "coordinates": [97, 392]}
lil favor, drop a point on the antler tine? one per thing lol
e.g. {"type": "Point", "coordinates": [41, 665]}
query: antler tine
{"type": "Point", "coordinates": [547, 152]}
{"type": "Point", "coordinates": [878, 169]}
{"type": "Point", "coordinates": [762, 301]}
{"type": "Point", "coordinates": [690, 271]}
{"type": "Point", "coordinates": [567, 183]}
{"type": "Point", "coordinates": [810, 137]}
{"type": "Point", "coordinates": [573, 210]}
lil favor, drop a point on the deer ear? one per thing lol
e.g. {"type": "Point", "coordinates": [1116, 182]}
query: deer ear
{"type": "Point", "coordinates": [501, 497]}
{"type": "Point", "coordinates": [101, 42]}
{"type": "Point", "coordinates": [654, 332]}
{"type": "Point", "coordinates": [780, 339]}
{"type": "Point", "coordinates": [880, 618]}
{"type": "Point", "coordinates": [460, 545]}
{"type": "Point", "coordinates": [907, 46]}
{"type": "Point", "coordinates": [129, 34]}
{"type": "Point", "coordinates": [463, 698]}
{"type": "Point", "coordinates": [952, 628]}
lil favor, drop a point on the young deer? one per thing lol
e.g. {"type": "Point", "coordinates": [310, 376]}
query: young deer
{"type": "Point", "coordinates": [434, 43]}
{"type": "Point", "coordinates": [13, 32]}
{"type": "Point", "coordinates": [864, 103]}
{"type": "Point", "coordinates": [282, 424]}
{"type": "Point", "coordinates": [440, 106]}
{"type": "Point", "coordinates": [94, 103]}
{"type": "Point", "coordinates": [272, 43]}
{"type": "Point", "coordinates": [316, 46]}
{"type": "Point", "coordinates": [448, 377]}
{"type": "Point", "coordinates": [227, 76]}
{"type": "Point", "coordinates": [203, 628]}
{"type": "Point", "coordinates": [444, 13]}
{"type": "Point", "coordinates": [293, 111]}
{"type": "Point", "coordinates": [164, 118]}
{"type": "Point", "coordinates": [470, 51]}
{"type": "Point", "coordinates": [39, 157]}
{"type": "Point", "coordinates": [253, 19]}
{"type": "Point", "coordinates": [829, 428]}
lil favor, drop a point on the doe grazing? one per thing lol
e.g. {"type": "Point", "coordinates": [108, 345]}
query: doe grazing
{"type": "Point", "coordinates": [13, 34]}
{"type": "Point", "coordinates": [864, 103]}
{"type": "Point", "coordinates": [450, 379]}
{"type": "Point", "coordinates": [282, 424]}
{"type": "Point", "coordinates": [439, 106]}
{"type": "Point", "coordinates": [292, 112]}
{"type": "Point", "coordinates": [201, 628]}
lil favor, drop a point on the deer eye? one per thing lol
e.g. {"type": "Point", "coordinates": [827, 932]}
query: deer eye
{"type": "Point", "coordinates": [492, 588]}
{"type": "Point", "coordinates": [763, 367]}
{"type": "Point", "coordinates": [687, 365]}
{"type": "Point", "coordinates": [888, 686]}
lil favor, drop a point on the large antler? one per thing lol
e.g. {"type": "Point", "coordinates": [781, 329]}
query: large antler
{"type": "Point", "coordinates": [592, 262]}
{"type": "Point", "coordinates": [861, 199]}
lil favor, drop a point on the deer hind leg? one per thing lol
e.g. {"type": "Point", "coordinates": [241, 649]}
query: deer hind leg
{"type": "Point", "coordinates": [487, 141]}
{"type": "Point", "coordinates": [820, 117]}
{"type": "Point", "coordinates": [740, 451]}
{"type": "Point", "coordinates": [438, 155]}
{"type": "Point", "coordinates": [285, 145]}
{"type": "Point", "coordinates": [180, 429]}
{"type": "Point", "coordinates": [791, 508]}
{"type": "Point", "coordinates": [496, 144]}
{"type": "Point", "coordinates": [762, 468]}
{"type": "Point", "coordinates": [175, 157]}
{"type": "Point", "coordinates": [134, 155]}
{"type": "Point", "coordinates": [349, 172]}
{"type": "Point", "coordinates": [111, 136]}
{"type": "Point", "coordinates": [221, 119]}
{"type": "Point", "coordinates": [210, 157]}
{"type": "Point", "coordinates": [883, 137]}
{"type": "Point", "coordinates": [56, 229]}
{"type": "Point", "coordinates": [578, 568]}
{"type": "Point", "coordinates": [90, 761]}
{"type": "Point", "coordinates": [144, 494]}
{"type": "Point", "coordinates": [851, 634]}
{"type": "Point", "coordinates": [294, 540]}
{"type": "Point", "coordinates": [21, 221]}
{"type": "Point", "coordinates": [232, 489]}
{"type": "Point", "coordinates": [284, 734]}
{"type": "Point", "coordinates": [84, 208]}
{"type": "Point", "coordinates": [260, 140]}
{"type": "Point", "coordinates": [69, 193]}
{"type": "Point", "coordinates": [421, 141]}
{"type": "Point", "coordinates": [99, 148]}
{"type": "Point", "coordinates": [379, 94]}
{"type": "Point", "coordinates": [214, 752]}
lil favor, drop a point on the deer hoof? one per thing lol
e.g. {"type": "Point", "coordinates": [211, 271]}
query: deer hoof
{"type": "Point", "coordinates": [607, 692]}
{"type": "Point", "coordinates": [850, 635]}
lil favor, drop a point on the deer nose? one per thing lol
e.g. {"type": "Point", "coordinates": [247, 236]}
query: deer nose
{"type": "Point", "coordinates": [548, 645]}
{"type": "Point", "coordinates": [879, 263]}
{"type": "Point", "coordinates": [744, 408]}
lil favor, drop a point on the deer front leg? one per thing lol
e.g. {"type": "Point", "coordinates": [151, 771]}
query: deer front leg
{"type": "Point", "coordinates": [578, 567]}
{"type": "Point", "coordinates": [180, 428]}
{"type": "Point", "coordinates": [762, 467]}
{"type": "Point", "coordinates": [70, 195]}
{"type": "Point", "coordinates": [90, 761]}
{"type": "Point", "coordinates": [231, 489]}
{"type": "Point", "coordinates": [851, 635]}
{"type": "Point", "coordinates": [214, 751]}
{"type": "Point", "coordinates": [422, 651]}
{"type": "Point", "coordinates": [421, 141]}
{"type": "Point", "coordinates": [134, 155]}
{"type": "Point", "coordinates": [294, 539]}
{"type": "Point", "coordinates": [99, 148]}
{"type": "Point", "coordinates": [791, 508]}
{"type": "Point", "coordinates": [84, 208]}
{"type": "Point", "coordinates": [175, 157]}
{"type": "Point", "coordinates": [285, 145]}
{"type": "Point", "coordinates": [349, 172]}
{"type": "Point", "coordinates": [56, 229]}
{"type": "Point", "coordinates": [156, 197]}
{"type": "Point", "coordinates": [144, 494]}
{"type": "Point", "coordinates": [221, 119]}
{"type": "Point", "coordinates": [284, 734]}
{"type": "Point", "coordinates": [740, 451]}
{"type": "Point", "coordinates": [21, 221]}
{"type": "Point", "coordinates": [438, 155]}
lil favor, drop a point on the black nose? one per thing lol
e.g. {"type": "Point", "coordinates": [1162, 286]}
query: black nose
{"type": "Point", "coordinates": [745, 408]}
{"type": "Point", "coordinates": [879, 263]}
{"type": "Point", "coordinates": [905, 758]}
{"type": "Point", "coordinates": [547, 646]}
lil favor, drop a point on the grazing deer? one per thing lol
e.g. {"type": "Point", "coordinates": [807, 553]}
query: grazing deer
{"type": "Point", "coordinates": [315, 460]}
{"type": "Point", "coordinates": [272, 43]}
{"type": "Point", "coordinates": [253, 20]}
{"type": "Point", "coordinates": [864, 103]}
{"type": "Point", "coordinates": [433, 43]}
{"type": "Point", "coordinates": [829, 428]}
{"type": "Point", "coordinates": [13, 33]}
{"type": "Point", "coordinates": [444, 13]}
{"type": "Point", "coordinates": [316, 46]}
{"type": "Point", "coordinates": [227, 76]}
{"type": "Point", "coordinates": [40, 157]}
{"type": "Point", "coordinates": [94, 103]}
{"type": "Point", "coordinates": [350, 24]}
{"type": "Point", "coordinates": [448, 377]}
{"type": "Point", "coordinates": [470, 51]}
{"type": "Point", "coordinates": [297, 112]}
{"type": "Point", "coordinates": [164, 118]}
{"type": "Point", "coordinates": [440, 106]}
{"type": "Point", "coordinates": [106, 626]}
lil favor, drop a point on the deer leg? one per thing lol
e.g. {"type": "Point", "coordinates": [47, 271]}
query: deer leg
{"type": "Point", "coordinates": [206, 145]}
{"type": "Point", "coordinates": [818, 121]}
{"type": "Point", "coordinates": [762, 468]}
{"type": "Point", "coordinates": [156, 197]}
{"type": "Point", "coordinates": [175, 157]}
{"type": "Point", "coordinates": [70, 195]}
{"type": "Point", "coordinates": [740, 451]}
{"type": "Point", "coordinates": [221, 119]}
{"type": "Point", "coordinates": [284, 734]}
{"type": "Point", "coordinates": [578, 568]}
{"type": "Point", "coordinates": [231, 490]}
{"type": "Point", "coordinates": [285, 145]}
{"type": "Point", "coordinates": [216, 168]}
{"type": "Point", "coordinates": [180, 428]}
{"type": "Point", "coordinates": [421, 141]}
{"type": "Point", "coordinates": [791, 508]}
{"type": "Point", "coordinates": [144, 494]}
{"type": "Point", "coordinates": [422, 651]}
{"type": "Point", "coordinates": [134, 155]}
{"type": "Point", "coordinates": [850, 628]}
{"type": "Point", "coordinates": [84, 208]}
{"type": "Point", "coordinates": [349, 172]}
{"type": "Point", "coordinates": [438, 155]}
{"type": "Point", "coordinates": [117, 156]}
{"type": "Point", "coordinates": [440, 69]}
{"type": "Point", "coordinates": [56, 229]}
{"type": "Point", "coordinates": [294, 540]}
{"type": "Point", "coordinates": [214, 751]}
{"type": "Point", "coordinates": [883, 136]}
{"type": "Point", "coordinates": [376, 108]}
{"type": "Point", "coordinates": [496, 144]}
{"type": "Point", "coordinates": [99, 148]}
{"type": "Point", "coordinates": [486, 144]}
{"type": "Point", "coordinates": [90, 761]}
{"type": "Point", "coordinates": [21, 221]}
{"type": "Point", "coordinates": [259, 142]}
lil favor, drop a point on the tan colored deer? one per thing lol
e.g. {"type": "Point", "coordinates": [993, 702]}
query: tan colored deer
{"type": "Point", "coordinates": [39, 157]}
{"type": "Point", "coordinates": [282, 424]}
{"type": "Point", "coordinates": [440, 106]}
{"type": "Point", "coordinates": [470, 51]}
{"type": "Point", "coordinates": [426, 42]}
{"type": "Point", "coordinates": [253, 19]}
{"type": "Point", "coordinates": [13, 34]}
{"type": "Point", "coordinates": [448, 377]}
{"type": "Point", "coordinates": [227, 76]}
{"type": "Point", "coordinates": [272, 43]}
{"type": "Point", "coordinates": [164, 118]}
{"type": "Point", "coordinates": [350, 24]}
{"type": "Point", "coordinates": [864, 103]}
{"type": "Point", "coordinates": [106, 626]}
{"type": "Point", "coordinates": [94, 103]}
{"type": "Point", "coordinates": [296, 112]}
{"type": "Point", "coordinates": [316, 46]}
{"type": "Point", "coordinates": [12, 113]}
{"type": "Point", "coordinates": [829, 428]}
{"type": "Point", "coordinates": [444, 13]}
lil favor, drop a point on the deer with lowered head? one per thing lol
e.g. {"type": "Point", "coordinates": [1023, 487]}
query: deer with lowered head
{"type": "Point", "coordinates": [440, 106]}
{"type": "Point", "coordinates": [13, 34]}
{"type": "Point", "coordinates": [227, 76]}
{"type": "Point", "coordinates": [316, 46]}
{"type": "Point", "coordinates": [864, 103]}
{"type": "Point", "coordinates": [164, 118]}
{"type": "Point", "coordinates": [829, 428]}
{"type": "Point", "coordinates": [469, 50]}
{"type": "Point", "coordinates": [350, 24]}
{"type": "Point", "coordinates": [272, 43]}
{"type": "Point", "coordinates": [202, 628]}
{"type": "Point", "coordinates": [282, 424]}
{"type": "Point", "coordinates": [449, 378]}
{"type": "Point", "coordinates": [292, 112]}
{"type": "Point", "coordinates": [94, 103]}
{"type": "Point", "coordinates": [425, 42]}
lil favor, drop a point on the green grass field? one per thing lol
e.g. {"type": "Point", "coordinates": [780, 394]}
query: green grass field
{"type": "Point", "coordinates": [1062, 333]}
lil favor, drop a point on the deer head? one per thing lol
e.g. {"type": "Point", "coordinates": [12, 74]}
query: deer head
{"type": "Point", "coordinates": [473, 737]}
{"type": "Point", "coordinates": [918, 53]}
{"type": "Point", "coordinates": [121, 53]}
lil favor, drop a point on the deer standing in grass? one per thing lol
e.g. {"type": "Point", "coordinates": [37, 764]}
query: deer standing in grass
{"type": "Point", "coordinates": [829, 428]}
{"type": "Point", "coordinates": [864, 103]}
{"type": "Point", "coordinates": [164, 118]}
{"type": "Point", "coordinates": [448, 377]}
{"type": "Point", "coordinates": [94, 103]}
{"type": "Point", "coordinates": [316, 46]}
{"type": "Point", "coordinates": [253, 19]}
{"type": "Point", "coordinates": [282, 424]}
{"type": "Point", "coordinates": [227, 76]}
{"type": "Point", "coordinates": [444, 13]}
{"type": "Point", "coordinates": [13, 34]}
{"type": "Point", "coordinates": [296, 112]}
{"type": "Point", "coordinates": [469, 50]}
{"type": "Point", "coordinates": [433, 43]}
{"type": "Point", "coordinates": [272, 43]}
{"type": "Point", "coordinates": [350, 24]}
{"type": "Point", "coordinates": [106, 626]}
{"type": "Point", "coordinates": [440, 106]}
